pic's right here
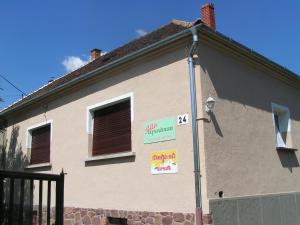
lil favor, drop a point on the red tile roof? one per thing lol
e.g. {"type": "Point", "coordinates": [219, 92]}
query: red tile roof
{"type": "Point", "coordinates": [160, 34]}
{"type": "Point", "coordinates": [175, 26]}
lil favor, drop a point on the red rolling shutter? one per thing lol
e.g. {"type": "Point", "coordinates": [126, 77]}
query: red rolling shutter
{"type": "Point", "coordinates": [112, 129]}
{"type": "Point", "coordinates": [40, 145]}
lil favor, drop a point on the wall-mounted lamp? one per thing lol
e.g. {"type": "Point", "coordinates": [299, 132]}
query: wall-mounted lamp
{"type": "Point", "coordinates": [210, 104]}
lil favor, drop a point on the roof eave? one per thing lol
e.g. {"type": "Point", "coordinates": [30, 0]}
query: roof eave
{"type": "Point", "coordinates": [287, 74]}
{"type": "Point", "coordinates": [106, 67]}
{"type": "Point", "coordinates": [251, 54]}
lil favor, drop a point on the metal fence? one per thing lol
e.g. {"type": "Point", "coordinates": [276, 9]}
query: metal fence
{"type": "Point", "coordinates": [17, 198]}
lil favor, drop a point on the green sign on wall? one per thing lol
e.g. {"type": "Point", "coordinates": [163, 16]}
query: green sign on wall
{"type": "Point", "coordinates": [159, 130]}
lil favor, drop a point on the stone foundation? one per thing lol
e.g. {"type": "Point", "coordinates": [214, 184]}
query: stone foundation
{"type": "Point", "coordinates": [82, 216]}
{"type": "Point", "coordinates": [207, 219]}
{"type": "Point", "coordinates": [78, 216]}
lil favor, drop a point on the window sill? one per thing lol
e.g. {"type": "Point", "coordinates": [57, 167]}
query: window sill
{"type": "Point", "coordinates": [286, 149]}
{"type": "Point", "coordinates": [38, 166]}
{"type": "Point", "coordinates": [110, 156]}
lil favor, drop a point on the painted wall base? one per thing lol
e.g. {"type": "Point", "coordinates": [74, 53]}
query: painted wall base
{"type": "Point", "coordinates": [275, 209]}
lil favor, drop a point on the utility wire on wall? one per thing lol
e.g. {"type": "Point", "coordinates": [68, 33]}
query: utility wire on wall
{"type": "Point", "coordinates": [22, 92]}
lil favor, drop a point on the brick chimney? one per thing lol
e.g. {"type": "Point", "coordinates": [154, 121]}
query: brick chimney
{"type": "Point", "coordinates": [95, 53]}
{"type": "Point", "coordinates": [208, 15]}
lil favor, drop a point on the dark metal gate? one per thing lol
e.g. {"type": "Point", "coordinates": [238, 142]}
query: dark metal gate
{"type": "Point", "coordinates": [17, 205]}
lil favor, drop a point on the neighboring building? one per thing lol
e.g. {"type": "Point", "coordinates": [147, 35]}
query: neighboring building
{"type": "Point", "coordinates": [105, 122]}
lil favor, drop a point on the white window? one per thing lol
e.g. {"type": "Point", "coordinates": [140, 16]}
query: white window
{"type": "Point", "coordinates": [282, 125]}
{"type": "Point", "coordinates": [109, 126]}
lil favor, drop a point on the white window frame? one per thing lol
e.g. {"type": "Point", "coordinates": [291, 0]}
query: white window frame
{"type": "Point", "coordinates": [284, 123]}
{"type": "Point", "coordinates": [29, 138]}
{"type": "Point", "coordinates": [91, 109]}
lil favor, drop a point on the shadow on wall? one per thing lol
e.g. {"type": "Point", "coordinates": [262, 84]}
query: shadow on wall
{"type": "Point", "coordinates": [236, 81]}
{"type": "Point", "coordinates": [288, 159]}
{"type": "Point", "coordinates": [212, 119]}
{"type": "Point", "coordinates": [13, 159]}
{"type": "Point", "coordinates": [232, 80]}
{"type": "Point", "coordinates": [12, 156]}
{"type": "Point", "coordinates": [216, 124]}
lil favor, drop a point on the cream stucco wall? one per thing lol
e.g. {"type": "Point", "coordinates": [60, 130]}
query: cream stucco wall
{"type": "Point", "coordinates": [239, 141]}
{"type": "Point", "coordinates": [160, 88]}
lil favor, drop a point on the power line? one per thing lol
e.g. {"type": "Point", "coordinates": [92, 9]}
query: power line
{"type": "Point", "coordinates": [23, 93]}
{"type": "Point", "coordinates": [12, 95]}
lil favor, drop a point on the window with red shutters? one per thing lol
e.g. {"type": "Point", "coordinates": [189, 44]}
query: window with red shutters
{"type": "Point", "coordinates": [40, 145]}
{"type": "Point", "coordinates": [112, 129]}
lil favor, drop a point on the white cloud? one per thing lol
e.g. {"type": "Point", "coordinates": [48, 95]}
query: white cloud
{"type": "Point", "coordinates": [72, 63]}
{"type": "Point", "coordinates": [141, 32]}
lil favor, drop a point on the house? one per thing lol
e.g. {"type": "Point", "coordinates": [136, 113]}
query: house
{"type": "Point", "coordinates": [181, 126]}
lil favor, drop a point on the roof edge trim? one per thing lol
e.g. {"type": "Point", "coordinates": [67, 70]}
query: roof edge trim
{"type": "Point", "coordinates": [253, 55]}
{"type": "Point", "coordinates": [90, 74]}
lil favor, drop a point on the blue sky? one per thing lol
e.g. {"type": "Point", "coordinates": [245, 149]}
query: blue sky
{"type": "Point", "coordinates": [36, 37]}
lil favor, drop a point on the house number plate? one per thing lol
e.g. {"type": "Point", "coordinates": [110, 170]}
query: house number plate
{"type": "Point", "coordinates": [183, 119]}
